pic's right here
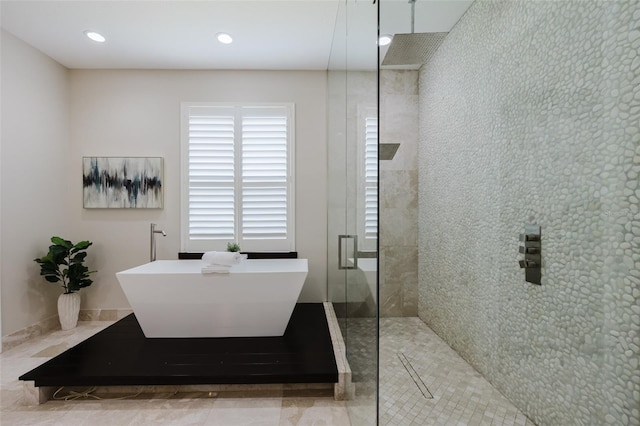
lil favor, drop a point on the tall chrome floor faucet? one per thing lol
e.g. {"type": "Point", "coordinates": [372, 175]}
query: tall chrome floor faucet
{"type": "Point", "coordinates": [154, 231]}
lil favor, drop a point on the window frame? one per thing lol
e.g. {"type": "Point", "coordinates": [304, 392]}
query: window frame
{"type": "Point", "coordinates": [263, 245]}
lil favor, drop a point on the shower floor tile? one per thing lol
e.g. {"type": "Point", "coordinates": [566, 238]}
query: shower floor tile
{"type": "Point", "coordinates": [425, 382]}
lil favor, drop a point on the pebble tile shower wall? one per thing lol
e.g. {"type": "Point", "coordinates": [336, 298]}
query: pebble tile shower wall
{"type": "Point", "coordinates": [535, 119]}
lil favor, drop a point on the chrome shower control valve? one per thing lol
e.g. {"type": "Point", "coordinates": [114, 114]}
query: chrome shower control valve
{"type": "Point", "coordinates": [531, 248]}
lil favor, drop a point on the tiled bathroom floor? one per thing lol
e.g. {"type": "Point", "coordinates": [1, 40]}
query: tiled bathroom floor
{"type": "Point", "coordinates": [425, 382]}
{"type": "Point", "coordinates": [422, 382]}
{"type": "Point", "coordinates": [272, 409]}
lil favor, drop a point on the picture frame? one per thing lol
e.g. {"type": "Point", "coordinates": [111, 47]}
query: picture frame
{"type": "Point", "coordinates": [122, 182]}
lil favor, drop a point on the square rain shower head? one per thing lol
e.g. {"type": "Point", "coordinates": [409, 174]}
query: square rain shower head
{"type": "Point", "coordinates": [386, 151]}
{"type": "Point", "coordinates": [413, 48]}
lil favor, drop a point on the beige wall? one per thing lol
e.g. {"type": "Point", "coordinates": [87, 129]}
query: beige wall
{"type": "Point", "coordinates": [35, 163]}
{"type": "Point", "coordinates": [137, 113]}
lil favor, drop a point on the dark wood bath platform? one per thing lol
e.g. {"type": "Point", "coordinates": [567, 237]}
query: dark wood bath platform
{"type": "Point", "coordinates": [120, 355]}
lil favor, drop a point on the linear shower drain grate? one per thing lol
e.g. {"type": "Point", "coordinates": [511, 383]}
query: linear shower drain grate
{"type": "Point", "coordinates": [414, 375]}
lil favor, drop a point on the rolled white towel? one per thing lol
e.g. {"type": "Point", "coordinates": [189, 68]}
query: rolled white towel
{"type": "Point", "coordinates": [225, 258]}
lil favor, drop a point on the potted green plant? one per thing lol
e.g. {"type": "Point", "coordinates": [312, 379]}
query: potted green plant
{"type": "Point", "coordinates": [233, 247]}
{"type": "Point", "coordinates": [64, 263]}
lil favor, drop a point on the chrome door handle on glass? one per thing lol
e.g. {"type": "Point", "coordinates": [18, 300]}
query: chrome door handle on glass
{"type": "Point", "coordinates": [342, 261]}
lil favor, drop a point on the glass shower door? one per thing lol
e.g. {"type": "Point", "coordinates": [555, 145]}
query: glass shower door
{"type": "Point", "coordinates": [352, 198]}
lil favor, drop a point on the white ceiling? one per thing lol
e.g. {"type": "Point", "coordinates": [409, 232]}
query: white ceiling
{"type": "Point", "coordinates": [268, 34]}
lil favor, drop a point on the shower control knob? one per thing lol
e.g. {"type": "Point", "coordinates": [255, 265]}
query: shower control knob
{"type": "Point", "coordinates": [527, 264]}
{"type": "Point", "coordinates": [529, 250]}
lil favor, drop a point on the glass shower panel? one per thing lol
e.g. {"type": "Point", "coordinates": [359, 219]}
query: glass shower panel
{"type": "Point", "coordinates": [337, 164]}
{"type": "Point", "coordinates": [352, 207]}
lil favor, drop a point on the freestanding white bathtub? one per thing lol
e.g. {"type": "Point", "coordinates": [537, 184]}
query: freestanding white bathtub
{"type": "Point", "coordinates": [172, 298]}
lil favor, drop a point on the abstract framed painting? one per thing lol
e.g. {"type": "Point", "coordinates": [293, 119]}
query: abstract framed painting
{"type": "Point", "coordinates": [122, 182]}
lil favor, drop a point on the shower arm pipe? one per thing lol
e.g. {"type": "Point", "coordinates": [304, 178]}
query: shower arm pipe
{"type": "Point", "coordinates": [152, 243]}
{"type": "Point", "coordinates": [413, 15]}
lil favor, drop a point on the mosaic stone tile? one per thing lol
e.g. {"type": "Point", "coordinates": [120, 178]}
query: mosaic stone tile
{"type": "Point", "coordinates": [455, 393]}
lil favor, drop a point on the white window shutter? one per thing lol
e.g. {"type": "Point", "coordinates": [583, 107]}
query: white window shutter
{"type": "Point", "coordinates": [264, 176]}
{"type": "Point", "coordinates": [371, 178]}
{"type": "Point", "coordinates": [211, 214]}
{"type": "Point", "coordinates": [239, 180]}
{"type": "Point", "coordinates": [211, 176]}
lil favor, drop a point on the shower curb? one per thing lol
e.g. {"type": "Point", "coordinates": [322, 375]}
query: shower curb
{"type": "Point", "coordinates": [344, 389]}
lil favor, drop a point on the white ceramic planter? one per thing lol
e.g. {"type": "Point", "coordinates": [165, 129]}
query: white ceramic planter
{"type": "Point", "coordinates": [68, 310]}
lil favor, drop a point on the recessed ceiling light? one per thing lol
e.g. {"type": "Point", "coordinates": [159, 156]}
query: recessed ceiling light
{"type": "Point", "coordinates": [384, 39]}
{"type": "Point", "coordinates": [224, 38]}
{"type": "Point", "coordinates": [97, 37]}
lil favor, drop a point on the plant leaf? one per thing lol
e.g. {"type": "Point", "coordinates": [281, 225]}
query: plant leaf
{"type": "Point", "coordinates": [82, 245]}
{"type": "Point", "coordinates": [61, 242]}
{"type": "Point", "coordinates": [79, 257]}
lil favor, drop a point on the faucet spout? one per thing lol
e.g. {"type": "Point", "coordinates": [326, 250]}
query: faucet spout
{"type": "Point", "coordinates": [152, 245]}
